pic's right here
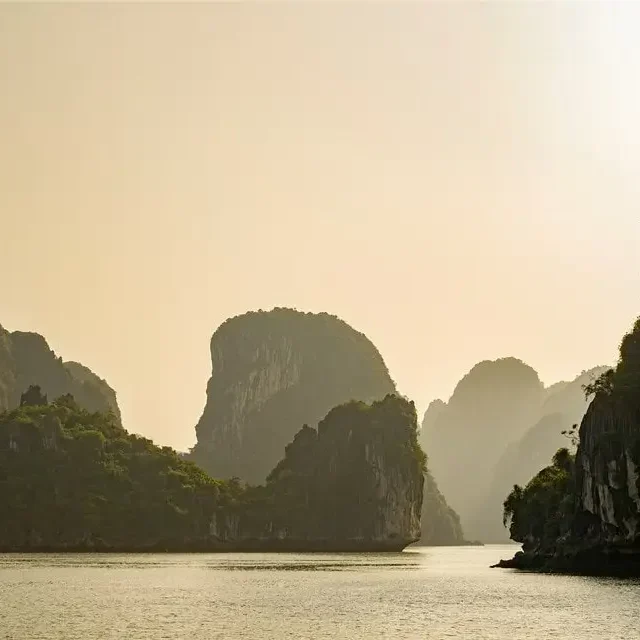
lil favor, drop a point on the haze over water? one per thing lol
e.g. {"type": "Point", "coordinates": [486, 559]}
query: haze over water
{"type": "Point", "coordinates": [446, 592]}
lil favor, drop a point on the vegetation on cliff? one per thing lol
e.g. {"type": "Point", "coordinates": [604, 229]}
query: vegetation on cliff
{"type": "Point", "coordinates": [623, 382]}
{"type": "Point", "coordinates": [583, 513]}
{"type": "Point", "coordinates": [72, 479]}
{"type": "Point", "coordinates": [541, 513]}
{"type": "Point", "coordinates": [358, 477]}
{"type": "Point", "coordinates": [273, 371]}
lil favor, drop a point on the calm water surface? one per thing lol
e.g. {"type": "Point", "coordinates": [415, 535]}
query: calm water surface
{"type": "Point", "coordinates": [420, 593]}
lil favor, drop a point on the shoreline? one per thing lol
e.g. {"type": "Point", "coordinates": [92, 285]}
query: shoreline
{"type": "Point", "coordinates": [604, 562]}
{"type": "Point", "coordinates": [245, 546]}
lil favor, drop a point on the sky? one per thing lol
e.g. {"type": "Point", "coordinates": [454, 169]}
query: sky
{"type": "Point", "coordinates": [459, 181]}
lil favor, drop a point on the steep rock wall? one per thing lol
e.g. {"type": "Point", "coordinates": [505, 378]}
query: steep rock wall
{"type": "Point", "coordinates": [358, 479]}
{"type": "Point", "coordinates": [272, 372]}
{"type": "Point", "coordinates": [607, 474]}
{"type": "Point", "coordinates": [582, 514]}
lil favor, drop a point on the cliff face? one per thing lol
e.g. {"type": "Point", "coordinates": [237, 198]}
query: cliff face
{"type": "Point", "coordinates": [607, 466]}
{"type": "Point", "coordinates": [26, 359]}
{"type": "Point", "coordinates": [357, 480]}
{"type": "Point", "coordinates": [608, 474]}
{"type": "Point", "coordinates": [492, 406]}
{"type": "Point", "coordinates": [583, 514]}
{"type": "Point", "coordinates": [271, 372]}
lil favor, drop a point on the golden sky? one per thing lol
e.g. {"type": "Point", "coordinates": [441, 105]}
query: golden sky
{"type": "Point", "coordinates": [459, 181]}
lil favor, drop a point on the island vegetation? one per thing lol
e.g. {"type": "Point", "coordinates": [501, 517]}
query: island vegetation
{"type": "Point", "coordinates": [582, 513]}
{"type": "Point", "coordinates": [275, 370]}
{"type": "Point", "coordinates": [71, 479]}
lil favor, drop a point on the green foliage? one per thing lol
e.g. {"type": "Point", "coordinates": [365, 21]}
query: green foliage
{"type": "Point", "coordinates": [74, 479]}
{"type": "Point", "coordinates": [550, 516]}
{"type": "Point", "coordinates": [541, 513]}
{"type": "Point", "coordinates": [572, 435]}
{"type": "Point", "coordinates": [603, 384]}
{"type": "Point", "coordinates": [71, 479]}
{"type": "Point", "coordinates": [33, 396]}
{"type": "Point", "coordinates": [623, 382]}
{"type": "Point", "coordinates": [329, 480]}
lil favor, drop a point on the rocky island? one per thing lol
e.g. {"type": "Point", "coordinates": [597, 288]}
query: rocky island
{"type": "Point", "coordinates": [582, 513]}
{"type": "Point", "coordinates": [74, 480]}
{"type": "Point", "coordinates": [275, 370]}
{"type": "Point", "coordinates": [271, 372]}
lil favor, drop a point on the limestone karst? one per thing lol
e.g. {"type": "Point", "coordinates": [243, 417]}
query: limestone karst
{"type": "Point", "coordinates": [26, 359]}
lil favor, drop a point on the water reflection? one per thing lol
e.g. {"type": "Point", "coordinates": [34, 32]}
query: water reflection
{"type": "Point", "coordinates": [222, 561]}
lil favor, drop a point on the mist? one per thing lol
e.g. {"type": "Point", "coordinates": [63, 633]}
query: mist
{"type": "Point", "coordinates": [319, 320]}
{"type": "Point", "coordinates": [456, 181]}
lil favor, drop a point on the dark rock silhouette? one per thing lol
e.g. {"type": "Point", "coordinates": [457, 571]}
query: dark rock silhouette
{"type": "Point", "coordinates": [583, 515]}
{"type": "Point", "coordinates": [71, 480]}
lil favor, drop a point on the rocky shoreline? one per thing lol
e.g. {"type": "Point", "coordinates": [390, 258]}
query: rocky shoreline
{"type": "Point", "coordinates": [610, 562]}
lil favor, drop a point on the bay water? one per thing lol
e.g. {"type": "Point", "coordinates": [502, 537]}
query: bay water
{"type": "Point", "coordinates": [423, 592]}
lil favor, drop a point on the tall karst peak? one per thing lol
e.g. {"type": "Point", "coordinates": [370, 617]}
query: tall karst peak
{"type": "Point", "coordinates": [272, 372]}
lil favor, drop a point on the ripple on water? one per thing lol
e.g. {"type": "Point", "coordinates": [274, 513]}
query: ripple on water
{"type": "Point", "coordinates": [446, 592]}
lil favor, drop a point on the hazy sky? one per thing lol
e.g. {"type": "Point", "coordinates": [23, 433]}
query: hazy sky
{"type": "Point", "coordinates": [458, 181]}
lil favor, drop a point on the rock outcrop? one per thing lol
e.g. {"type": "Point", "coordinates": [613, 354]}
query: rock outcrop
{"type": "Point", "coordinates": [356, 482]}
{"type": "Point", "coordinates": [584, 515]}
{"type": "Point", "coordinates": [492, 406]}
{"type": "Point", "coordinates": [608, 475]}
{"type": "Point", "coordinates": [272, 372]}
{"type": "Point", "coordinates": [26, 359]}
{"type": "Point", "coordinates": [74, 480]}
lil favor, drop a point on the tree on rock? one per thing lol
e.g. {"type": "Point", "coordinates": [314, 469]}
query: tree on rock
{"type": "Point", "coordinates": [33, 397]}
